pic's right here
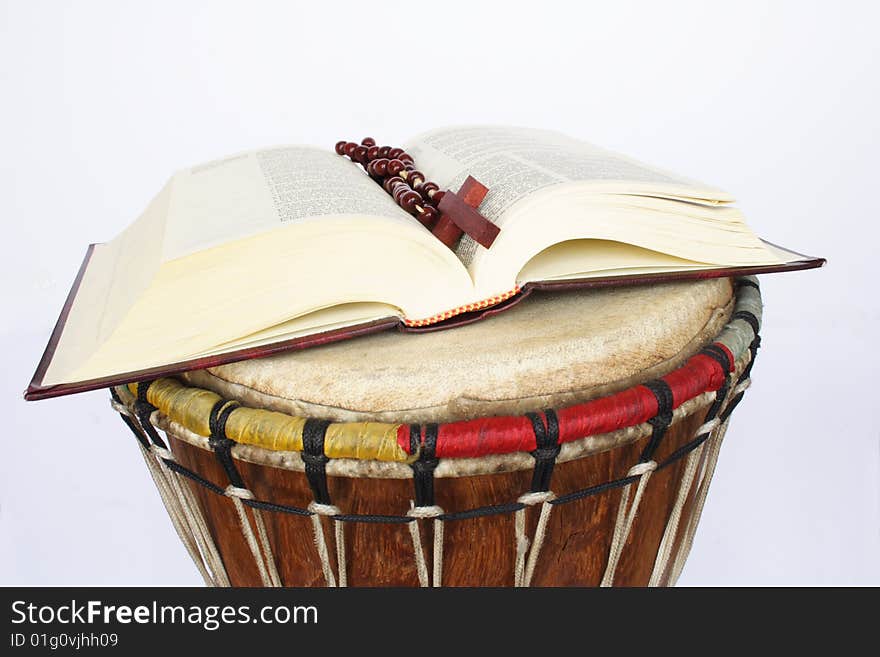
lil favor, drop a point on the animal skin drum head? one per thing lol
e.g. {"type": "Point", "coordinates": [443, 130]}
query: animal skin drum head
{"type": "Point", "coordinates": [555, 349]}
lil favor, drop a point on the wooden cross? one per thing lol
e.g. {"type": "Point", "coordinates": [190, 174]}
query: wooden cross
{"type": "Point", "coordinates": [458, 214]}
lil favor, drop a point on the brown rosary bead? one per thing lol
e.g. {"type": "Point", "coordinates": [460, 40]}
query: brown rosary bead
{"type": "Point", "coordinates": [428, 190]}
{"type": "Point", "coordinates": [409, 199]}
{"type": "Point", "coordinates": [394, 153]}
{"type": "Point", "coordinates": [340, 147]}
{"type": "Point", "coordinates": [383, 151]}
{"type": "Point", "coordinates": [398, 188]}
{"type": "Point", "coordinates": [368, 141]}
{"type": "Point", "coordinates": [395, 167]}
{"type": "Point", "coordinates": [348, 149]}
{"type": "Point", "coordinates": [425, 218]}
{"type": "Point", "coordinates": [390, 182]}
{"type": "Point", "coordinates": [406, 158]}
{"type": "Point", "coordinates": [378, 167]}
{"type": "Point", "coordinates": [360, 154]}
{"type": "Point", "coordinates": [412, 175]}
{"type": "Point", "coordinates": [372, 152]}
{"type": "Point", "coordinates": [429, 215]}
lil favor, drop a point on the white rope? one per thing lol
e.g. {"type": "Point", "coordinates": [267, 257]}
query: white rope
{"type": "Point", "coordinates": [418, 553]}
{"type": "Point", "coordinates": [420, 513]}
{"type": "Point", "coordinates": [263, 535]}
{"type": "Point", "coordinates": [667, 543]}
{"type": "Point", "coordinates": [259, 543]}
{"type": "Point", "coordinates": [329, 510]}
{"type": "Point", "coordinates": [626, 514]}
{"type": "Point", "coordinates": [120, 408]}
{"type": "Point", "coordinates": [438, 553]}
{"type": "Point", "coordinates": [196, 518]}
{"type": "Point", "coordinates": [538, 541]}
{"type": "Point", "coordinates": [342, 566]}
{"type": "Point", "coordinates": [187, 508]}
{"type": "Point", "coordinates": [527, 559]}
{"type": "Point", "coordinates": [708, 461]}
{"type": "Point", "coordinates": [699, 502]}
{"type": "Point", "coordinates": [521, 545]}
{"type": "Point", "coordinates": [192, 512]}
{"type": "Point", "coordinates": [262, 557]}
{"type": "Point", "coordinates": [185, 514]}
{"type": "Point", "coordinates": [175, 513]}
{"type": "Point", "coordinates": [162, 453]}
{"type": "Point", "coordinates": [708, 427]}
{"type": "Point", "coordinates": [172, 505]}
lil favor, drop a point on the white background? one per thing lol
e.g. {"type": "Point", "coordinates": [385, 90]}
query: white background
{"type": "Point", "coordinates": [776, 102]}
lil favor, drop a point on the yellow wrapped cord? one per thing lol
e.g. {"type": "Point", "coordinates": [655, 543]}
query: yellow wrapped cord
{"type": "Point", "coordinates": [374, 441]}
{"type": "Point", "coordinates": [191, 407]}
{"type": "Point", "coordinates": [269, 429]}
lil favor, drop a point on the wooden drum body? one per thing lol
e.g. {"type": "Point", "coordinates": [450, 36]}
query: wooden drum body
{"type": "Point", "coordinates": [568, 441]}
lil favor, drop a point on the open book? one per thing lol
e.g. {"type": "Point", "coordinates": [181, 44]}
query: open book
{"type": "Point", "coordinates": [276, 248]}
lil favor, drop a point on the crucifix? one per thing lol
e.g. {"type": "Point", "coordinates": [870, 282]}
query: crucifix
{"type": "Point", "coordinates": [458, 214]}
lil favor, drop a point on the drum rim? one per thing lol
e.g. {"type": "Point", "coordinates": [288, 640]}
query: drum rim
{"type": "Point", "coordinates": [450, 467]}
{"type": "Point", "coordinates": [386, 450]}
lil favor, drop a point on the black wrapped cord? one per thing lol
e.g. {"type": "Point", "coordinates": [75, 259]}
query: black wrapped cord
{"type": "Point", "coordinates": [415, 438]}
{"type": "Point", "coordinates": [129, 422]}
{"type": "Point", "coordinates": [423, 467]}
{"type": "Point", "coordinates": [745, 282]}
{"type": "Point", "coordinates": [547, 448]}
{"type": "Point", "coordinates": [220, 443]}
{"type": "Point", "coordinates": [143, 410]}
{"type": "Point", "coordinates": [661, 421]}
{"type": "Point", "coordinates": [748, 317]}
{"type": "Point", "coordinates": [746, 373]}
{"type": "Point", "coordinates": [315, 460]}
{"type": "Point", "coordinates": [719, 355]}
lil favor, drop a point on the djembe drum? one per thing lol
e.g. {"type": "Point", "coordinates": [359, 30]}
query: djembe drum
{"type": "Point", "coordinates": [570, 440]}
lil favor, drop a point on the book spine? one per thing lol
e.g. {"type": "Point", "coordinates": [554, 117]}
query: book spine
{"type": "Point", "coordinates": [469, 307]}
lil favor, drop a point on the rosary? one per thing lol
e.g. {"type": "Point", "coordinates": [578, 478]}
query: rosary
{"type": "Point", "coordinates": [445, 214]}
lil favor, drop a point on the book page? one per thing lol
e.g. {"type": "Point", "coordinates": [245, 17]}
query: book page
{"type": "Point", "coordinates": [515, 162]}
{"type": "Point", "coordinates": [117, 273]}
{"type": "Point", "coordinates": [565, 260]}
{"type": "Point", "coordinates": [257, 191]}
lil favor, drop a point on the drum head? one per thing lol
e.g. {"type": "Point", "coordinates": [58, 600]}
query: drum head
{"type": "Point", "coordinates": [552, 350]}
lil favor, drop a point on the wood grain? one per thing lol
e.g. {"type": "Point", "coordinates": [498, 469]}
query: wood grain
{"type": "Point", "coordinates": [478, 552]}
